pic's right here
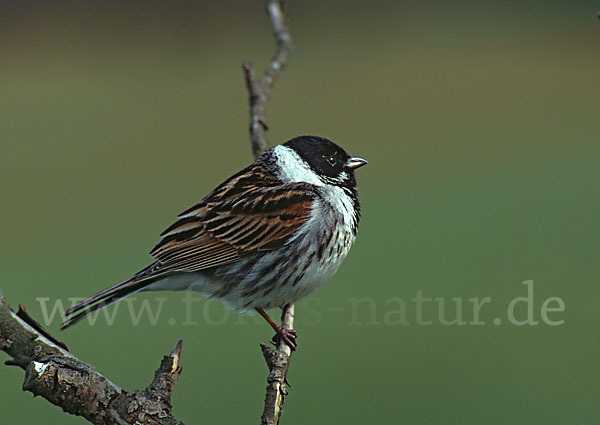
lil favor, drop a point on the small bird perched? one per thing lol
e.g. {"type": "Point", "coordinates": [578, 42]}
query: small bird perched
{"type": "Point", "coordinates": [266, 237]}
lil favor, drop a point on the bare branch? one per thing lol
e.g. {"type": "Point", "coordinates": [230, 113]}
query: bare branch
{"type": "Point", "coordinates": [258, 95]}
{"type": "Point", "coordinates": [56, 375]}
{"type": "Point", "coordinates": [278, 361]}
{"type": "Point", "coordinates": [21, 341]}
{"type": "Point", "coordinates": [260, 91]}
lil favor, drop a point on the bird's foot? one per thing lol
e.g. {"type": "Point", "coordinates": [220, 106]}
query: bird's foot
{"type": "Point", "coordinates": [288, 336]}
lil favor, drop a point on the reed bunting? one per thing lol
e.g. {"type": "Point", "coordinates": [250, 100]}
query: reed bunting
{"type": "Point", "coordinates": [268, 236]}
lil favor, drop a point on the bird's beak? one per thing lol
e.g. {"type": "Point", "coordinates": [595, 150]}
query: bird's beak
{"type": "Point", "coordinates": [355, 162]}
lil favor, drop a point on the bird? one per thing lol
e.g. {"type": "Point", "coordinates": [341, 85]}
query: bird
{"type": "Point", "coordinates": [268, 236]}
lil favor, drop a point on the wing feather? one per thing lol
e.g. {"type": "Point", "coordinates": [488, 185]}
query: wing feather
{"type": "Point", "coordinates": [251, 212]}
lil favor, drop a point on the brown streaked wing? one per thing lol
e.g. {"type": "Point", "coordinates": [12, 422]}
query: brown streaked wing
{"type": "Point", "coordinates": [261, 219]}
{"type": "Point", "coordinates": [232, 223]}
{"type": "Point", "coordinates": [250, 178]}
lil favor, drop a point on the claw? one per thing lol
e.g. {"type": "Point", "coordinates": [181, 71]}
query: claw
{"type": "Point", "coordinates": [287, 336]}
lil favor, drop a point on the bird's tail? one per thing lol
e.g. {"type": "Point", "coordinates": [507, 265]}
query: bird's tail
{"type": "Point", "coordinates": [106, 297]}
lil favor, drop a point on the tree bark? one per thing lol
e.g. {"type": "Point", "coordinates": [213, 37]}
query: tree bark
{"type": "Point", "coordinates": [55, 374]}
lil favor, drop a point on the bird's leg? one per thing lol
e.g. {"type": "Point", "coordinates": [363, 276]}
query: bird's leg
{"type": "Point", "coordinates": [286, 335]}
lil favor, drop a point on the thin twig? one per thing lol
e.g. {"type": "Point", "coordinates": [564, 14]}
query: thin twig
{"type": "Point", "coordinates": [22, 314]}
{"type": "Point", "coordinates": [278, 361]}
{"type": "Point", "coordinates": [258, 95]}
{"type": "Point", "coordinates": [260, 91]}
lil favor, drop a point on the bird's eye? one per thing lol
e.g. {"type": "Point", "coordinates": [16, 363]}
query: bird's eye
{"type": "Point", "coordinates": [331, 160]}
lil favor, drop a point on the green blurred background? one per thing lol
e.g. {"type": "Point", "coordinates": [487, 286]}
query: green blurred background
{"type": "Point", "coordinates": [480, 121]}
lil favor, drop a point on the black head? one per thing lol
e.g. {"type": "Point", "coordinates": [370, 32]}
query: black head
{"type": "Point", "coordinates": [328, 160]}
